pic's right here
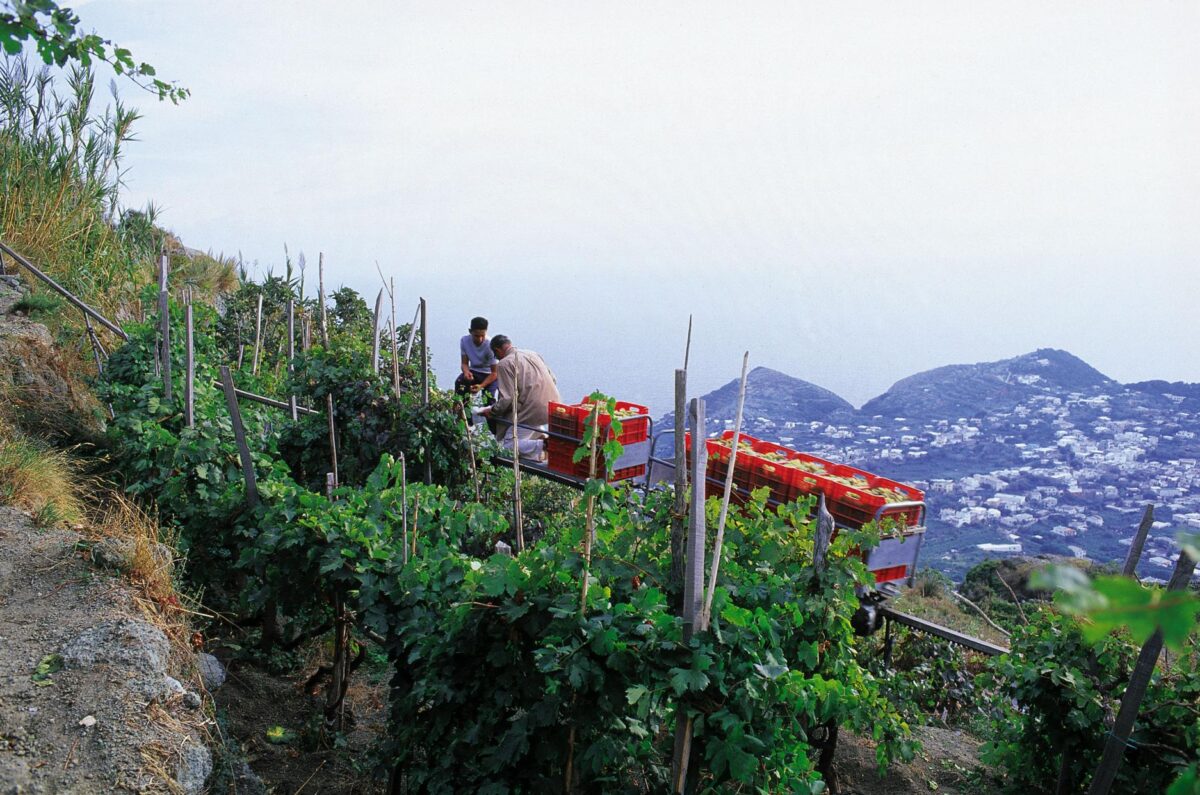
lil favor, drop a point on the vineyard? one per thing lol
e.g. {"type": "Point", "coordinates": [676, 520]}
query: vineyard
{"type": "Point", "coordinates": [324, 493]}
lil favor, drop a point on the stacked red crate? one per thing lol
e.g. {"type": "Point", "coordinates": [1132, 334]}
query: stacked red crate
{"type": "Point", "coordinates": [570, 420]}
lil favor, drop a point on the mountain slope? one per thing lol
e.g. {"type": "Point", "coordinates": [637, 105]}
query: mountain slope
{"type": "Point", "coordinates": [971, 390]}
{"type": "Point", "coordinates": [770, 393]}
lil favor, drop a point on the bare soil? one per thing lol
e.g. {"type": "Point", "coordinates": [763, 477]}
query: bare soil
{"type": "Point", "coordinates": [81, 730]}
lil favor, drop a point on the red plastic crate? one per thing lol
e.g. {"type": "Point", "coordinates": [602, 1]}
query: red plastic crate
{"type": "Point", "coordinates": [855, 505]}
{"type": "Point", "coordinates": [561, 452]}
{"type": "Point", "coordinates": [890, 574]}
{"type": "Point", "coordinates": [570, 420]}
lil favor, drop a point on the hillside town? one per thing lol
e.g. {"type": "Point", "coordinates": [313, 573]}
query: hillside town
{"type": "Point", "coordinates": [1064, 472]}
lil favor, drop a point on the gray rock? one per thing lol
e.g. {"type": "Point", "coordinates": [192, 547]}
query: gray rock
{"type": "Point", "coordinates": [195, 766]}
{"type": "Point", "coordinates": [212, 673]}
{"type": "Point", "coordinates": [121, 554]}
{"type": "Point", "coordinates": [192, 700]}
{"type": "Point", "coordinates": [131, 645]}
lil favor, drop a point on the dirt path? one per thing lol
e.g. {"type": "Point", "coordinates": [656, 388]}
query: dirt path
{"type": "Point", "coordinates": [110, 719]}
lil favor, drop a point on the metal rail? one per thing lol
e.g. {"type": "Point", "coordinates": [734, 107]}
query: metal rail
{"type": "Point", "coordinates": [58, 288]}
{"type": "Point", "coordinates": [945, 633]}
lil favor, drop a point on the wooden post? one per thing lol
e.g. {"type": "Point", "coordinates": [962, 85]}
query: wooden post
{"type": "Point", "coordinates": [330, 484]}
{"type": "Point", "coordinates": [291, 352]}
{"type": "Point", "coordinates": [412, 333]}
{"type": "Point", "coordinates": [189, 382]}
{"type": "Point", "coordinates": [97, 351]}
{"type": "Point", "coordinates": [239, 435]}
{"type": "Point", "coordinates": [518, 517]}
{"type": "Point", "coordinates": [395, 344]}
{"type": "Point", "coordinates": [257, 335]}
{"type": "Point", "coordinates": [825, 528]}
{"type": "Point", "coordinates": [333, 457]}
{"type": "Point", "coordinates": [462, 412]}
{"type": "Point", "coordinates": [687, 349]}
{"type": "Point", "coordinates": [375, 333]}
{"type": "Point", "coordinates": [693, 584]}
{"type": "Point", "coordinates": [241, 352]}
{"type": "Point", "coordinates": [679, 514]}
{"type": "Point", "coordinates": [404, 504]}
{"type": "Point", "coordinates": [1118, 738]}
{"type": "Point", "coordinates": [1139, 542]}
{"type": "Point", "coordinates": [705, 614]}
{"type": "Point", "coordinates": [321, 298]}
{"type": "Point", "coordinates": [164, 313]}
{"type": "Point", "coordinates": [2, 271]}
{"type": "Point", "coordinates": [425, 385]}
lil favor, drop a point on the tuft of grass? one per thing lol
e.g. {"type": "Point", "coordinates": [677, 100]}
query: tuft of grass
{"type": "Point", "coordinates": [41, 480]}
{"type": "Point", "coordinates": [37, 303]}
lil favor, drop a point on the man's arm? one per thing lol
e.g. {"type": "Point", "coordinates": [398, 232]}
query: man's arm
{"type": "Point", "coordinates": [506, 377]}
{"type": "Point", "coordinates": [466, 368]}
{"type": "Point", "coordinates": [485, 383]}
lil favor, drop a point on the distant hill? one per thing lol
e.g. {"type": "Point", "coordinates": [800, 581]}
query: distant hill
{"type": "Point", "coordinates": [971, 390]}
{"type": "Point", "coordinates": [770, 393]}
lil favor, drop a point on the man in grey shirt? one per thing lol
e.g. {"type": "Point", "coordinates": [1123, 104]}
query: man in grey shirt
{"type": "Point", "coordinates": [524, 374]}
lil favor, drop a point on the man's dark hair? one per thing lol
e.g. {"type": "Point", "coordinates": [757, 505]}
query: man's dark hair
{"type": "Point", "coordinates": [499, 341]}
{"type": "Point", "coordinates": [479, 324]}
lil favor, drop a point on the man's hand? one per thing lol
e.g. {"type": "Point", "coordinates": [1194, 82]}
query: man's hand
{"type": "Point", "coordinates": [468, 375]}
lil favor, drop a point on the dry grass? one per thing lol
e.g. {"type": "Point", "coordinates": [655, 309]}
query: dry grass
{"type": "Point", "coordinates": [38, 479]}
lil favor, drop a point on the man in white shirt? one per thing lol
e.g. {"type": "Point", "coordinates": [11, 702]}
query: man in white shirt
{"type": "Point", "coordinates": [525, 374]}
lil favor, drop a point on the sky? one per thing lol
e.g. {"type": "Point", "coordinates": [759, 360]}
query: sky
{"type": "Point", "coordinates": [851, 192]}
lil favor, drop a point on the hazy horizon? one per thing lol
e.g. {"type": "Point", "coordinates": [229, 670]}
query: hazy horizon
{"type": "Point", "coordinates": [853, 193]}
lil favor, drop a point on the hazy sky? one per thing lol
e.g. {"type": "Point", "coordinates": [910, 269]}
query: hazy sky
{"type": "Point", "coordinates": [852, 192]}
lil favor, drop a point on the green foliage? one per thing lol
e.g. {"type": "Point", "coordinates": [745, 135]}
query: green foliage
{"type": "Point", "coordinates": [504, 679]}
{"type": "Point", "coordinates": [1056, 693]}
{"type": "Point", "coordinates": [371, 419]}
{"type": "Point", "coordinates": [1110, 603]}
{"type": "Point", "coordinates": [34, 304]}
{"type": "Point", "coordinates": [928, 677]}
{"type": "Point", "coordinates": [55, 33]}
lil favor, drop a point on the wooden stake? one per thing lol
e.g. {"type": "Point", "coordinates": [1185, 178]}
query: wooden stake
{"type": "Point", "coordinates": [425, 385]}
{"type": "Point", "coordinates": [692, 585]}
{"type": "Point", "coordinates": [412, 333]}
{"type": "Point", "coordinates": [291, 352]}
{"type": "Point", "coordinates": [590, 520]}
{"type": "Point", "coordinates": [706, 613]}
{"type": "Point", "coordinates": [518, 516]}
{"type": "Point", "coordinates": [164, 314]}
{"type": "Point", "coordinates": [1118, 738]}
{"type": "Point", "coordinates": [462, 412]}
{"type": "Point", "coordinates": [239, 435]}
{"type": "Point", "coordinates": [1139, 541]}
{"type": "Point", "coordinates": [189, 378]}
{"type": "Point", "coordinates": [404, 503]}
{"type": "Point", "coordinates": [321, 294]}
{"type": "Point", "coordinates": [375, 333]}
{"type": "Point", "coordinates": [257, 336]}
{"type": "Point", "coordinates": [333, 456]}
{"type": "Point", "coordinates": [679, 514]}
{"type": "Point", "coordinates": [395, 344]}
{"type": "Point", "coordinates": [687, 349]}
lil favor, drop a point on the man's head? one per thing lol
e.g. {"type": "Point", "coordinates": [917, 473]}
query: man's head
{"type": "Point", "coordinates": [501, 345]}
{"type": "Point", "coordinates": [479, 326]}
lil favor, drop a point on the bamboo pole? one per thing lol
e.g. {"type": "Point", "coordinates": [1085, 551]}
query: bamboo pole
{"type": "Point", "coordinates": [257, 335]}
{"type": "Point", "coordinates": [1118, 738]}
{"type": "Point", "coordinates": [189, 378]}
{"type": "Point", "coordinates": [58, 288]}
{"type": "Point", "coordinates": [706, 613]}
{"type": "Point", "coordinates": [164, 314]}
{"type": "Point", "coordinates": [266, 401]}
